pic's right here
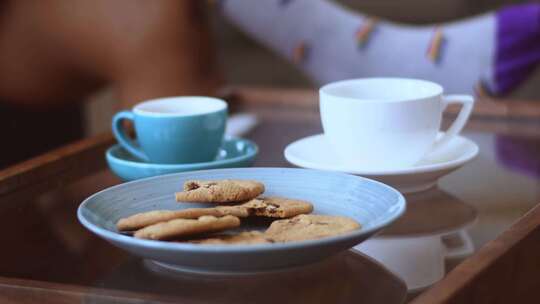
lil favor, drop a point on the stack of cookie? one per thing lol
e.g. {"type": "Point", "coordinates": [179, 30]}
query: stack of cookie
{"type": "Point", "coordinates": [235, 199]}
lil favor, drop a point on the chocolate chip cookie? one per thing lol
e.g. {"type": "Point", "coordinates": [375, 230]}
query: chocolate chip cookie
{"type": "Point", "coordinates": [310, 227]}
{"type": "Point", "coordinates": [141, 220]}
{"type": "Point", "coordinates": [187, 227]}
{"type": "Point", "coordinates": [277, 207]}
{"type": "Point", "coordinates": [219, 191]}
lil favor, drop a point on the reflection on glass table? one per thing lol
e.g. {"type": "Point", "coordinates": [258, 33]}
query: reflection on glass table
{"type": "Point", "coordinates": [417, 245]}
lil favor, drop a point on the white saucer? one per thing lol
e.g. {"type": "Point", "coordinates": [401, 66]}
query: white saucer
{"type": "Point", "coordinates": [314, 152]}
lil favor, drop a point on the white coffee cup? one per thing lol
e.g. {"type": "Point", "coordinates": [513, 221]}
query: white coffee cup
{"type": "Point", "coordinates": [387, 123]}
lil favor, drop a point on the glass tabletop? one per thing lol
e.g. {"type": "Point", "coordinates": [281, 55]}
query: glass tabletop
{"type": "Point", "coordinates": [44, 242]}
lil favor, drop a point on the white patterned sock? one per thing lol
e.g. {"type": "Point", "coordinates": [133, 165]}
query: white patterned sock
{"type": "Point", "coordinates": [332, 43]}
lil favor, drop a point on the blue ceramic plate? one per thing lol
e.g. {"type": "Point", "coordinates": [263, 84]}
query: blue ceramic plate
{"type": "Point", "coordinates": [373, 204]}
{"type": "Point", "coordinates": [234, 153]}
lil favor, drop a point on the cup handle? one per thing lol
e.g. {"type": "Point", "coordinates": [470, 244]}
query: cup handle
{"type": "Point", "coordinates": [120, 133]}
{"type": "Point", "coordinates": [467, 103]}
{"type": "Point", "coordinates": [466, 247]}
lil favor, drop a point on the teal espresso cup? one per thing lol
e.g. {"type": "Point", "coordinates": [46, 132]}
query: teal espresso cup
{"type": "Point", "coordinates": [174, 130]}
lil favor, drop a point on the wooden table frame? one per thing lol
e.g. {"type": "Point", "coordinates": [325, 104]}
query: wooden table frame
{"type": "Point", "coordinates": [505, 270]}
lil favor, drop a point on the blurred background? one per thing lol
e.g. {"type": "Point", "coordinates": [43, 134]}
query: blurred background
{"type": "Point", "coordinates": [244, 62]}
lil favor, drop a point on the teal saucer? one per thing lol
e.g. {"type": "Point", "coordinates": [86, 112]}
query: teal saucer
{"type": "Point", "coordinates": [234, 153]}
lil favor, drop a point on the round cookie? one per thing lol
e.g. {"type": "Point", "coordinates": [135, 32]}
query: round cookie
{"type": "Point", "coordinates": [187, 227]}
{"type": "Point", "coordinates": [310, 227]}
{"type": "Point", "coordinates": [277, 207]}
{"type": "Point", "coordinates": [141, 220]}
{"type": "Point", "coordinates": [219, 191]}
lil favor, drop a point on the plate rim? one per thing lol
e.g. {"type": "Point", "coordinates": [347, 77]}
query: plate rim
{"type": "Point", "coordinates": [454, 164]}
{"type": "Point", "coordinates": [250, 248]}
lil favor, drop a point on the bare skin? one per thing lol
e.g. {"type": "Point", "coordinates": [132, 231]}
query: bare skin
{"type": "Point", "coordinates": [58, 51]}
